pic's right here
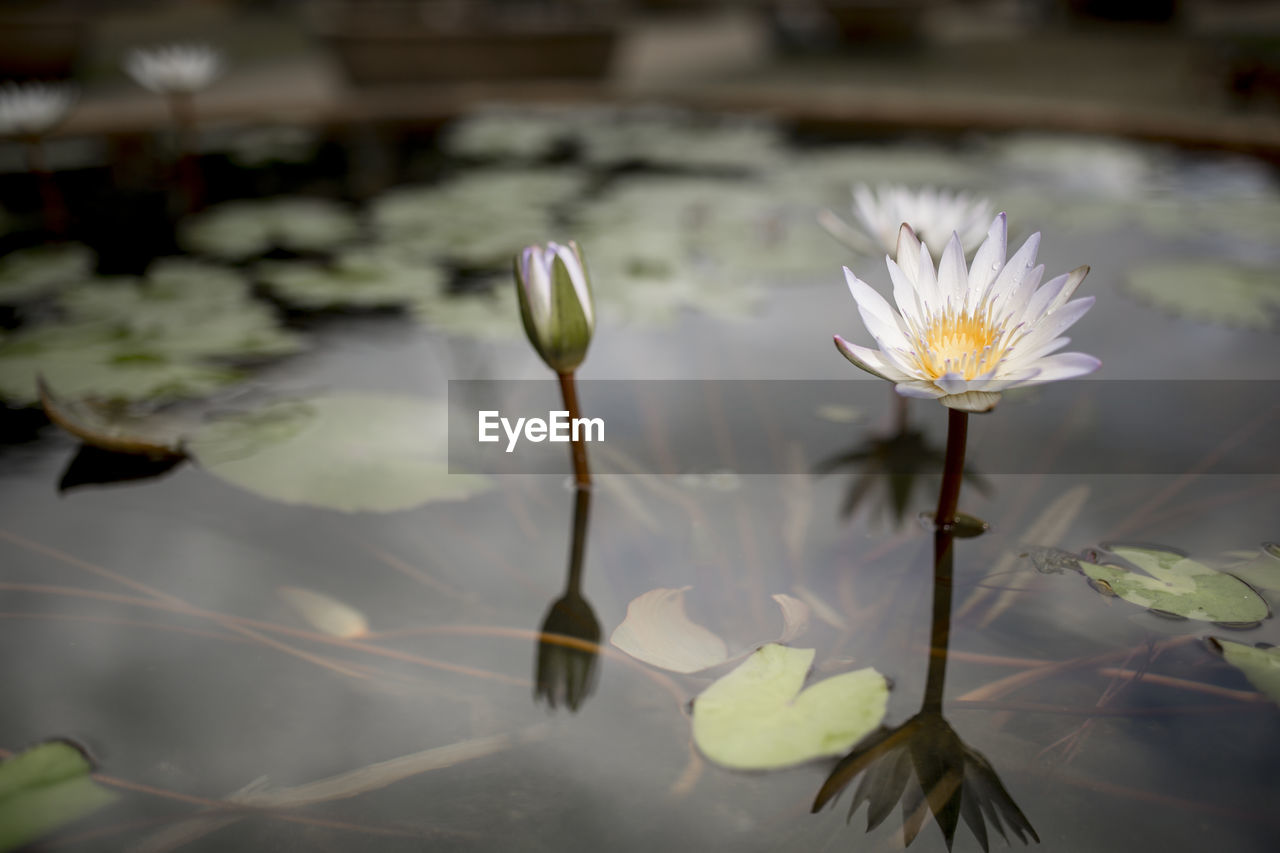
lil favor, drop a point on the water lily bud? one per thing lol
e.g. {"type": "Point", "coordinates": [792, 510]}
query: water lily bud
{"type": "Point", "coordinates": [555, 303]}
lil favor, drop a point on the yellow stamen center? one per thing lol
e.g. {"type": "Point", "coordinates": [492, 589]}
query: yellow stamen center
{"type": "Point", "coordinates": [958, 342]}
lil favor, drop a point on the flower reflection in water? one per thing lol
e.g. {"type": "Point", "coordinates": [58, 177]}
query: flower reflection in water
{"type": "Point", "coordinates": [900, 462]}
{"type": "Point", "coordinates": [566, 671]}
{"type": "Point", "coordinates": [924, 765]}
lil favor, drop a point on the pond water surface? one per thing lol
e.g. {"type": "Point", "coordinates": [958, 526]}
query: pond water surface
{"type": "Point", "coordinates": [146, 620]}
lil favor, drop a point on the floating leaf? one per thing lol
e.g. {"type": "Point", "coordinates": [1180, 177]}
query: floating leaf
{"type": "Point", "coordinates": [325, 613]}
{"type": "Point", "coordinates": [81, 360]}
{"type": "Point", "coordinates": [480, 220]}
{"type": "Point", "coordinates": [238, 230]}
{"type": "Point", "coordinates": [490, 314]}
{"type": "Point", "coordinates": [183, 309]}
{"type": "Point", "coordinates": [657, 631]}
{"type": "Point", "coordinates": [346, 451]}
{"type": "Point", "coordinates": [758, 718]}
{"type": "Point", "coordinates": [28, 273]}
{"type": "Point", "coordinates": [1210, 291]}
{"type": "Point", "coordinates": [44, 788]}
{"type": "Point", "coordinates": [113, 427]}
{"type": "Point", "coordinates": [1260, 665]}
{"type": "Point", "coordinates": [364, 278]}
{"type": "Point", "coordinates": [1263, 571]}
{"type": "Point", "coordinates": [1179, 586]}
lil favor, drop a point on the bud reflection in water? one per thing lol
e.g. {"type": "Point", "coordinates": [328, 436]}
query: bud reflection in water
{"type": "Point", "coordinates": [569, 643]}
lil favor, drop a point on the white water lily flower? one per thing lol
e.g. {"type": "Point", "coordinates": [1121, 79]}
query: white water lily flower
{"type": "Point", "coordinates": [174, 69]}
{"type": "Point", "coordinates": [962, 336]}
{"type": "Point", "coordinates": [933, 214]}
{"type": "Point", "coordinates": [33, 109]}
{"type": "Point", "coordinates": [555, 303]}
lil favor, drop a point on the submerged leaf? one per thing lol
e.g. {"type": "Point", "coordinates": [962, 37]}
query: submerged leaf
{"type": "Point", "coordinates": [758, 718]}
{"type": "Point", "coordinates": [657, 631]}
{"type": "Point", "coordinates": [346, 451]}
{"type": "Point", "coordinates": [1263, 571]}
{"type": "Point", "coordinates": [325, 613]}
{"type": "Point", "coordinates": [43, 788]}
{"type": "Point", "coordinates": [1260, 665]}
{"type": "Point", "coordinates": [1178, 585]}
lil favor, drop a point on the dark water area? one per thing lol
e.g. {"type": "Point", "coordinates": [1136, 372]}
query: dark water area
{"type": "Point", "coordinates": [152, 613]}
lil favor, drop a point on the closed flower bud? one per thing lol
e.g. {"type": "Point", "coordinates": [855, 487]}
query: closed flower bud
{"type": "Point", "coordinates": [555, 303]}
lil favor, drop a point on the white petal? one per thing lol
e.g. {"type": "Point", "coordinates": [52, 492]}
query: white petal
{"type": "Point", "coordinates": [1064, 365]}
{"type": "Point", "coordinates": [953, 278]}
{"type": "Point", "coordinates": [908, 252]}
{"type": "Point", "coordinates": [1055, 324]}
{"type": "Point", "coordinates": [1021, 355]}
{"type": "Point", "coordinates": [972, 401]}
{"type": "Point", "coordinates": [1016, 304]}
{"type": "Point", "coordinates": [869, 360]}
{"type": "Point", "coordinates": [927, 281]}
{"type": "Point", "coordinates": [904, 291]}
{"type": "Point", "coordinates": [920, 388]}
{"type": "Point", "coordinates": [1012, 273]}
{"type": "Point", "coordinates": [1054, 294]}
{"type": "Point", "coordinates": [988, 260]}
{"type": "Point", "coordinates": [881, 322]}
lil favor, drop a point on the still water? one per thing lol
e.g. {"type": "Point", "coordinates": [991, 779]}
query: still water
{"type": "Point", "coordinates": [158, 623]}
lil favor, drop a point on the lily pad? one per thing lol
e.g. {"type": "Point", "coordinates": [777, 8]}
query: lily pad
{"type": "Point", "coordinates": [29, 273]}
{"type": "Point", "coordinates": [1178, 585]}
{"type": "Point", "coordinates": [44, 788]}
{"type": "Point", "coordinates": [183, 309]}
{"type": "Point", "coordinates": [481, 220]}
{"type": "Point", "coordinates": [351, 452]}
{"type": "Point", "coordinates": [490, 314]}
{"type": "Point", "coordinates": [112, 427]}
{"type": "Point", "coordinates": [758, 718]}
{"type": "Point", "coordinates": [1263, 570]}
{"type": "Point", "coordinates": [82, 360]}
{"type": "Point", "coordinates": [1260, 665]}
{"type": "Point", "coordinates": [238, 230]}
{"type": "Point", "coordinates": [1210, 291]}
{"type": "Point", "coordinates": [363, 278]}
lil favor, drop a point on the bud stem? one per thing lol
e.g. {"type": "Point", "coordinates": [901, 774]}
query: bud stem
{"type": "Point", "coordinates": [578, 449]}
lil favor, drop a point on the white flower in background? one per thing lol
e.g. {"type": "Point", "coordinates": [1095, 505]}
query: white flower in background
{"type": "Point", "coordinates": [555, 303]}
{"type": "Point", "coordinates": [33, 109]}
{"type": "Point", "coordinates": [933, 214]}
{"type": "Point", "coordinates": [962, 336]}
{"type": "Point", "coordinates": [174, 68]}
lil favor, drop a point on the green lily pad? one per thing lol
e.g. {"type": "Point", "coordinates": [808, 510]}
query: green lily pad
{"type": "Point", "coordinates": [506, 133]}
{"type": "Point", "coordinates": [1210, 291]}
{"type": "Point", "coordinates": [346, 451]}
{"type": "Point", "coordinates": [238, 230]}
{"type": "Point", "coordinates": [29, 273]}
{"type": "Point", "coordinates": [114, 427]}
{"type": "Point", "coordinates": [365, 278]}
{"type": "Point", "coordinates": [1178, 585]}
{"type": "Point", "coordinates": [480, 220]}
{"type": "Point", "coordinates": [44, 788]}
{"type": "Point", "coordinates": [758, 718]}
{"type": "Point", "coordinates": [92, 360]}
{"type": "Point", "coordinates": [1261, 666]}
{"type": "Point", "coordinates": [183, 309]}
{"type": "Point", "coordinates": [1263, 570]}
{"type": "Point", "coordinates": [490, 314]}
